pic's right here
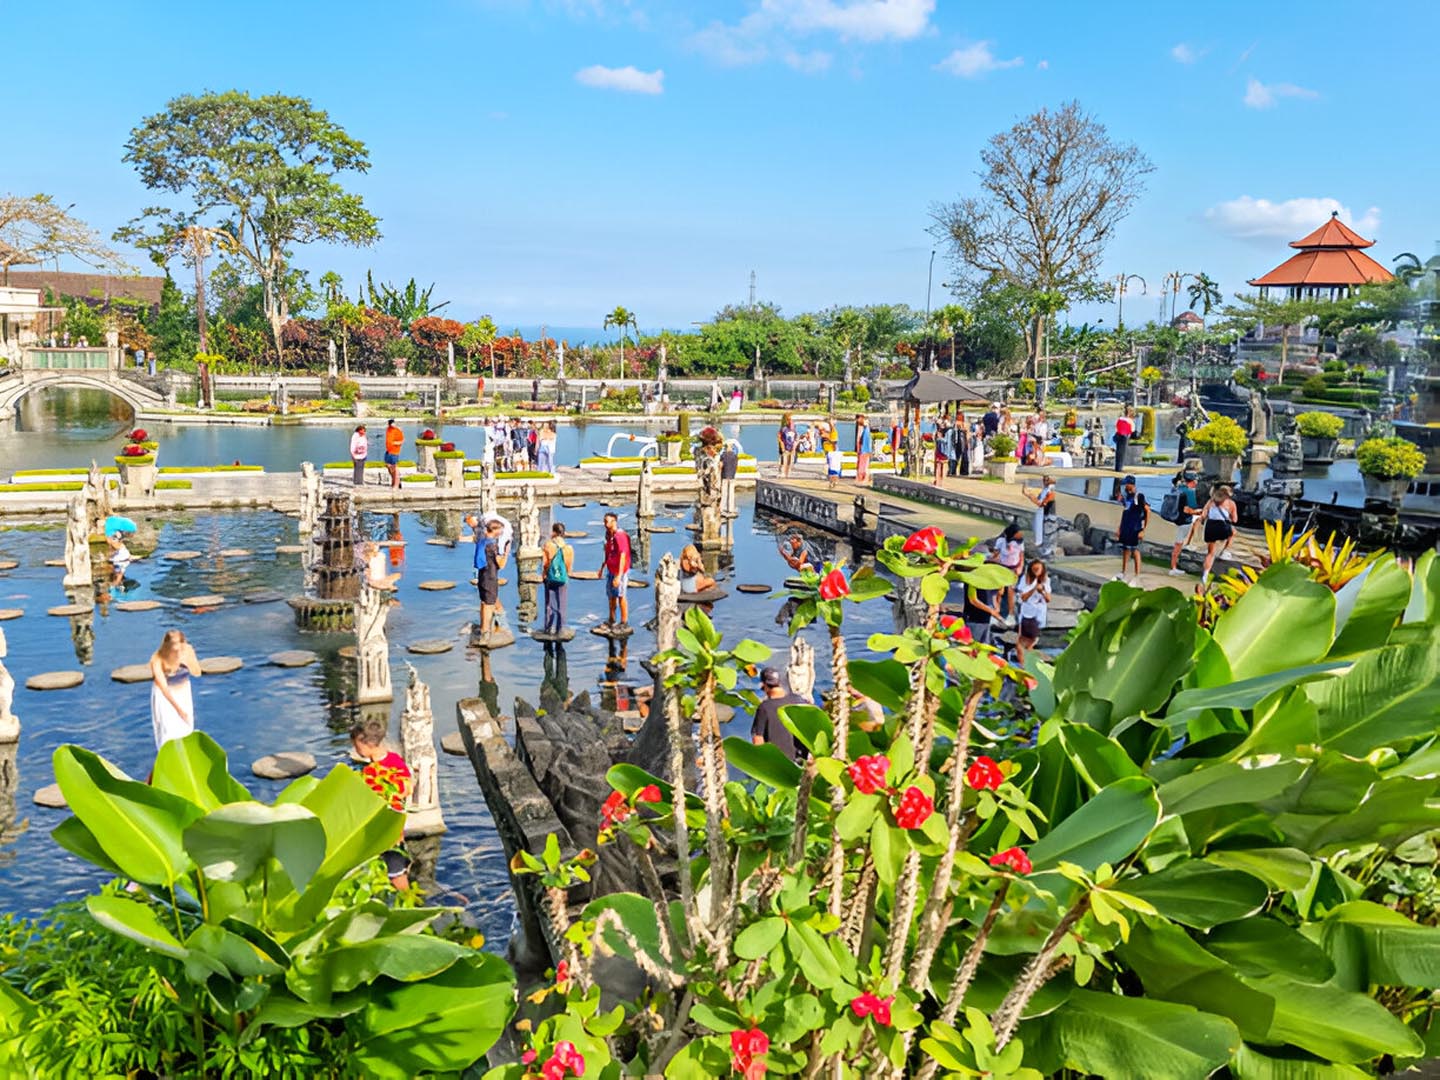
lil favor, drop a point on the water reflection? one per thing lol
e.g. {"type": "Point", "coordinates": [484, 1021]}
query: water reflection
{"type": "Point", "coordinates": [74, 415]}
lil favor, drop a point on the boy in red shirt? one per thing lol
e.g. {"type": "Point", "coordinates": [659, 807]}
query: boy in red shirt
{"type": "Point", "coordinates": [389, 777]}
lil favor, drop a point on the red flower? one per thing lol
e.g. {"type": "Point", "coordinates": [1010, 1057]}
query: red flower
{"type": "Point", "coordinates": [915, 808]}
{"type": "Point", "coordinates": [1262, 375]}
{"type": "Point", "coordinates": [997, 660]}
{"type": "Point", "coordinates": [833, 585]}
{"type": "Point", "coordinates": [924, 541]}
{"type": "Point", "coordinates": [1013, 859]}
{"type": "Point", "coordinates": [984, 774]}
{"type": "Point", "coordinates": [427, 434]}
{"type": "Point", "coordinates": [562, 975]}
{"type": "Point", "coordinates": [133, 451]}
{"type": "Point", "coordinates": [616, 809]}
{"type": "Point", "coordinates": [528, 1057]}
{"type": "Point", "coordinates": [745, 1048]}
{"type": "Point", "coordinates": [867, 1004]}
{"type": "Point", "coordinates": [953, 626]}
{"type": "Point", "coordinates": [567, 1058]}
{"type": "Point", "coordinates": [139, 435]}
{"type": "Point", "coordinates": [867, 773]}
{"type": "Point", "coordinates": [649, 793]}
{"type": "Point", "coordinates": [446, 447]}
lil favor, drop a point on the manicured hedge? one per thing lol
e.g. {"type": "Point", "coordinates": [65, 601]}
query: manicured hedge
{"type": "Point", "coordinates": [111, 469]}
{"type": "Point", "coordinates": [141, 459]}
{"type": "Point", "coordinates": [449, 455]}
{"type": "Point", "coordinates": [173, 485]}
{"type": "Point", "coordinates": [676, 470]}
{"type": "Point", "coordinates": [211, 468]}
{"type": "Point", "coordinates": [418, 478]}
{"type": "Point", "coordinates": [368, 464]}
{"type": "Point", "coordinates": [62, 486]}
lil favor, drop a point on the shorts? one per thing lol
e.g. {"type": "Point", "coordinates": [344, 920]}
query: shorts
{"type": "Point", "coordinates": [833, 462]}
{"type": "Point", "coordinates": [1029, 628]}
{"type": "Point", "coordinates": [1217, 530]}
{"type": "Point", "coordinates": [1129, 541]}
{"type": "Point", "coordinates": [397, 862]}
{"type": "Point", "coordinates": [489, 588]}
{"type": "Point", "coordinates": [392, 459]}
{"type": "Point", "coordinates": [613, 591]}
{"type": "Point", "coordinates": [1182, 532]}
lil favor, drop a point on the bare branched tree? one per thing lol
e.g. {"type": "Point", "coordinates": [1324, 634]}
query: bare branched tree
{"type": "Point", "coordinates": [35, 228]}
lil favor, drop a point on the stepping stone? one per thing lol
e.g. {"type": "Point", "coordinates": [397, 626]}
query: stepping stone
{"type": "Point", "coordinates": [263, 596]}
{"type": "Point", "coordinates": [432, 647]}
{"type": "Point", "coordinates": [234, 553]}
{"type": "Point", "coordinates": [754, 590]}
{"type": "Point", "coordinates": [220, 665]}
{"type": "Point", "coordinates": [498, 639]}
{"type": "Point", "coordinates": [435, 586]}
{"type": "Point", "coordinates": [289, 549]}
{"type": "Point", "coordinates": [9, 613]}
{"type": "Point", "coordinates": [205, 600]}
{"type": "Point", "coordinates": [54, 562]}
{"type": "Point", "coordinates": [566, 634]}
{"type": "Point", "coordinates": [69, 609]}
{"type": "Point", "coordinates": [612, 634]}
{"type": "Point", "coordinates": [133, 673]}
{"type": "Point", "coordinates": [285, 765]}
{"type": "Point", "coordinates": [138, 605]}
{"type": "Point", "coordinates": [574, 504]}
{"type": "Point", "coordinates": [453, 744]}
{"type": "Point", "coordinates": [51, 796]}
{"type": "Point", "coordinates": [181, 556]}
{"type": "Point", "coordinates": [662, 528]}
{"type": "Point", "coordinates": [55, 680]}
{"type": "Point", "coordinates": [578, 534]}
{"type": "Point", "coordinates": [639, 583]}
{"type": "Point", "coordinates": [502, 581]}
{"type": "Point", "coordinates": [706, 597]}
{"type": "Point", "coordinates": [692, 527]}
{"type": "Point", "coordinates": [679, 505]}
{"type": "Point", "coordinates": [585, 575]}
{"type": "Point", "coordinates": [724, 713]}
{"type": "Point", "coordinates": [440, 541]}
{"type": "Point", "coordinates": [8, 564]}
{"type": "Point", "coordinates": [293, 658]}
{"type": "Point", "coordinates": [348, 652]}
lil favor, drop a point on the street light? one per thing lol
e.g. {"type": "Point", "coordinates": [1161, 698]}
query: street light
{"type": "Point", "coordinates": [929, 280]}
{"type": "Point", "coordinates": [1122, 283]}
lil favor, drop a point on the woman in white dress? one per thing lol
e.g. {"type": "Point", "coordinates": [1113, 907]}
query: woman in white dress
{"type": "Point", "coordinates": [171, 712]}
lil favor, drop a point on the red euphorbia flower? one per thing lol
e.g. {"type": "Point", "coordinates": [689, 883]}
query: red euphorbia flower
{"type": "Point", "coordinates": [984, 774]}
{"type": "Point", "coordinates": [567, 1058]}
{"type": "Point", "coordinates": [915, 808]}
{"type": "Point", "coordinates": [562, 975]}
{"type": "Point", "coordinates": [953, 626]}
{"type": "Point", "coordinates": [1012, 859]}
{"type": "Point", "coordinates": [867, 1004]}
{"type": "Point", "coordinates": [867, 773]}
{"type": "Point", "coordinates": [616, 809]}
{"type": "Point", "coordinates": [528, 1057]}
{"type": "Point", "coordinates": [139, 435]}
{"type": "Point", "coordinates": [649, 793]}
{"type": "Point", "coordinates": [746, 1048]}
{"type": "Point", "coordinates": [924, 541]}
{"type": "Point", "coordinates": [833, 585]}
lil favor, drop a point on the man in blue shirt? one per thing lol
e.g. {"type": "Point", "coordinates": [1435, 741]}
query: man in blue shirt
{"type": "Point", "coordinates": [488, 561]}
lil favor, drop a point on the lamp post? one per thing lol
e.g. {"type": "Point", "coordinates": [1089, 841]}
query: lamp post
{"type": "Point", "coordinates": [1122, 283]}
{"type": "Point", "coordinates": [929, 280]}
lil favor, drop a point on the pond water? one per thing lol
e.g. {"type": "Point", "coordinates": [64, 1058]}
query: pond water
{"type": "Point", "coordinates": [261, 708]}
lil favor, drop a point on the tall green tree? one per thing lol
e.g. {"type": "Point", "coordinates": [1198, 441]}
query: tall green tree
{"type": "Point", "coordinates": [1204, 293]}
{"type": "Point", "coordinates": [623, 319]}
{"type": "Point", "coordinates": [479, 334]}
{"type": "Point", "coordinates": [1053, 189]}
{"type": "Point", "coordinates": [265, 169]}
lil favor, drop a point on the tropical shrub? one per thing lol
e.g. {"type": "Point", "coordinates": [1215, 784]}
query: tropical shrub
{"type": "Point", "coordinates": [348, 391]}
{"type": "Point", "coordinates": [1145, 429]}
{"type": "Point", "coordinates": [1319, 425]}
{"type": "Point", "coordinates": [1314, 387]}
{"type": "Point", "coordinates": [1025, 388]}
{"type": "Point", "coordinates": [1220, 435]}
{"type": "Point", "coordinates": [1390, 459]}
{"type": "Point", "coordinates": [1002, 447]}
{"type": "Point", "coordinates": [267, 917]}
{"type": "Point", "coordinates": [1065, 387]}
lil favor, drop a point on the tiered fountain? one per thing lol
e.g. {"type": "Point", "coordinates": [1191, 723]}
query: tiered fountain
{"type": "Point", "coordinates": [329, 603]}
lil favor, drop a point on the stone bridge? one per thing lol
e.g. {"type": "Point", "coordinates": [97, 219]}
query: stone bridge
{"type": "Point", "coordinates": [88, 369]}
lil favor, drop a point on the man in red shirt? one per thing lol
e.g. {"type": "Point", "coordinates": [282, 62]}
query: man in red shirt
{"type": "Point", "coordinates": [387, 775]}
{"type": "Point", "coordinates": [394, 443]}
{"type": "Point", "coordinates": [617, 573]}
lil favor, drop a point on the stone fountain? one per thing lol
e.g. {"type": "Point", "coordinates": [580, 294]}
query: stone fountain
{"type": "Point", "coordinates": [335, 576]}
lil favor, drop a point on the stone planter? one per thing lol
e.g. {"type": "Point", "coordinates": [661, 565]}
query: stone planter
{"type": "Point", "coordinates": [1002, 470]}
{"type": "Point", "coordinates": [670, 451]}
{"type": "Point", "coordinates": [425, 450]}
{"type": "Point", "coordinates": [136, 480]}
{"type": "Point", "coordinates": [1385, 489]}
{"type": "Point", "coordinates": [450, 472]}
{"type": "Point", "coordinates": [1221, 465]}
{"type": "Point", "coordinates": [1319, 451]}
{"type": "Point", "coordinates": [1070, 444]}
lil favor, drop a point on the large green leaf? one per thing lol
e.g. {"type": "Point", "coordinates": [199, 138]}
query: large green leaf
{"type": "Point", "coordinates": [1250, 1064]}
{"type": "Point", "coordinates": [811, 727]}
{"type": "Point", "coordinates": [1104, 830]}
{"type": "Point", "coordinates": [636, 918]}
{"type": "Point", "coordinates": [1368, 607]}
{"type": "Point", "coordinates": [1225, 784]}
{"type": "Point", "coordinates": [441, 1024]}
{"type": "Point", "coordinates": [138, 827]}
{"type": "Point", "coordinates": [1334, 1024]}
{"type": "Point", "coordinates": [136, 921]}
{"type": "Point", "coordinates": [233, 841]}
{"type": "Point", "coordinates": [1389, 813]}
{"type": "Point", "coordinates": [1284, 868]}
{"type": "Point", "coordinates": [1390, 696]}
{"type": "Point", "coordinates": [1424, 605]}
{"type": "Point", "coordinates": [1262, 946]}
{"type": "Point", "coordinates": [1097, 760]}
{"type": "Point", "coordinates": [1199, 894]}
{"type": "Point", "coordinates": [887, 681]}
{"type": "Point", "coordinates": [195, 769]}
{"type": "Point", "coordinates": [1283, 604]}
{"type": "Point", "coordinates": [72, 835]}
{"type": "Point", "coordinates": [1376, 945]}
{"type": "Point", "coordinates": [316, 977]}
{"type": "Point", "coordinates": [1131, 1038]}
{"type": "Point", "coordinates": [241, 957]}
{"type": "Point", "coordinates": [1241, 694]}
{"type": "Point", "coordinates": [765, 762]}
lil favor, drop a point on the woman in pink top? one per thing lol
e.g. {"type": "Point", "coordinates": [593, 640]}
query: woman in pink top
{"type": "Point", "coordinates": [359, 451]}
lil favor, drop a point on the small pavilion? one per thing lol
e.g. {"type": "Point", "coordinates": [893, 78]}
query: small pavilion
{"type": "Point", "coordinates": [1330, 264]}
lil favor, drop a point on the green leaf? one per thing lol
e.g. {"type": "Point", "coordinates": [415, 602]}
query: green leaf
{"type": "Point", "coordinates": [934, 589]}
{"type": "Point", "coordinates": [1424, 605]}
{"type": "Point", "coordinates": [1131, 1038]}
{"type": "Point", "coordinates": [72, 835]}
{"type": "Point", "coordinates": [1261, 946]}
{"type": "Point", "coordinates": [1104, 830]}
{"type": "Point", "coordinates": [855, 819]}
{"type": "Point", "coordinates": [889, 848]}
{"type": "Point", "coordinates": [1279, 867]}
{"type": "Point", "coordinates": [1199, 894]}
{"type": "Point", "coordinates": [1369, 606]}
{"type": "Point", "coordinates": [765, 762]}
{"type": "Point", "coordinates": [757, 939]}
{"type": "Point", "coordinates": [808, 949]}
{"type": "Point", "coordinates": [346, 966]}
{"type": "Point", "coordinates": [1283, 596]}
{"type": "Point", "coordinates": [811, 727]}
{"type": "Point", "coordinates": [636, 914]}
{"type": "Point", "coordinates": [242, 958]}
{"type": "Point", "coordinates": [234, 840]}
{"type": "Point", "coordinates": [886, 681]}
{"type": "Point", "coordinates": [137, 826]}
{"type": "Point", "coordinates": [297, 789]}
{"type": "Point", "coordinates": [1242, 694]}
{"type": "Point", "coordinates": [1097, 760]}
{"type": "Point", "coordinates": [1382, 947]}
{"type": "Point", "coordinates": [1226, 784]}
{"type": "Point", "coordinates": [1390, 696]}
{"type": "Point", "coordinates": [987, 575]}
{"type": "Point", "coordinates": [195, 769]}
{"type": "Point", "coordinates": [140, 923]}
{"type": "Point", "coordinates": [1250, 1064]}
{"type": "Point", "coordinates": [750, 652]}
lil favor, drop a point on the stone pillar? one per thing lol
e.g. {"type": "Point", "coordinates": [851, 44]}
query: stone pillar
{"type": "Point", "coordinates": [417, 745]}
{"type": "Point", "coordinates": [9, 722]}
{"type": "Point", "coordinates": [529, 524]}
{"type": "Point", "coordinates": [451, 472]}
{"type": "Point", "coordinates": [707, 509]}
{"type": "Point", "coordinates": [645, 492]}
{"type": "Point", "coordinates": [667, 603]}
{"type": "Point", "coordinates": [97, 499]}
{"type": "Point", "coordinates": [488, 497]}
{"type": "Point", "coordinates": [800, 672]}
{"type": "Point", "coordinates": [372, 660]}
{"type": "Point", "coordinates": [78, 571]}
{"type": "Point", "coordinates": [309, 519]}
{"type": "Point", "coordinates": [284, 399]}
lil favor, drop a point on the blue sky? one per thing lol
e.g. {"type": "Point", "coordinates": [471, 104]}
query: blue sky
{"type": "Point", "coordinates": [543, 161]}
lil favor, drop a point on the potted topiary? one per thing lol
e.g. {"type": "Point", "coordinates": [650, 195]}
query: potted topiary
{"type": "Point", "coordinates": [1145, 430]}
{"type": "Point", "coordinates": [137, 470]}
{"type": "Point", "coordinates": [1319, 436]}
{"type": "Point", "coordinates": [1387, 466]}
{"type": "Point", "coordinates": [1219, 444]}
{"type": "Point", "coordinates": [1002, 462]}
{"type": "Point", "coordinates": [427, 442]}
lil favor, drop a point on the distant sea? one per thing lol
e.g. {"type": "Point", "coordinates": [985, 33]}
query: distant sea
{"type": "Point", "coordinates": [578, 335]}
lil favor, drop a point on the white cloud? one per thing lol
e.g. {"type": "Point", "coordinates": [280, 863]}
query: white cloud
{"type": "Point", "coordinates": [1248, 218]}
{"type": "Point", "coordinates": [1184, 54]}
{"type": "Point", "coordinates": [769, 30]}
{"type": "Point", "coordinates": [976, 60]}
{"type": "Point", "coordinates": [1260, 95]}
{"type": "Point", "coordinates": [628, 79]}
{"type": "Point", "coordinates": [810, 63]}
{"type": "Point", "coordinates": [1043, 65]}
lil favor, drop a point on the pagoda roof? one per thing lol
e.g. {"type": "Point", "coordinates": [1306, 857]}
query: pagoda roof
{"type": "Point", "coordinates": [1322, 267]}
{"type": "Point", "coordinates": [1333, 234]}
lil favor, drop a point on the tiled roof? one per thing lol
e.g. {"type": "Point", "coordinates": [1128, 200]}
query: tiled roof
{"type": "Point", "coordinates": [142, 287]}
{"type": "Point", "coordinates": [1321, 267]}
{"type": "Point", "coordinates": [1333, 234]}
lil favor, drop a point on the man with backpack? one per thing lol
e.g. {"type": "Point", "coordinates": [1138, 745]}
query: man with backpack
{"type": "Point", "coordinates": [1134, 519]}
{"type": "Point", "coordinates": [559, 561]}
{"type": "Point", "coordinates": [1182, 507]}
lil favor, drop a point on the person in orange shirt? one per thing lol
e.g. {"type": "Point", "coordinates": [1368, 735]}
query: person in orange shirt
{"type": "Point", "coordinates": [394, 443]}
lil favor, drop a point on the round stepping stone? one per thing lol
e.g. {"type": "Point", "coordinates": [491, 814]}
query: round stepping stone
{"type": "Point", "coordinates": [566, 634]}
{"type": "Point", "coordinates": [205, 600]}
{"type": "Point", "coordinates": [706, 597]}
{"type": "Point", "coordinates": [692, 527]}
{"type": "Point", "coordinates": [54, 562]}
{"type": "Point", "coordinates": [55, 680]}
{"type": "Point", "coordinates": [432, 647]}
{"type": "Point", "coordinates": [289, 549]}
{"type": "Point", "coordinates": [578, 534]}
{"type": "Point", "coordinates": [234, 553]}
{"type": "Point", "coordinates": [220, 665]}
{"type": "Point", "coordinates": [498, 639]}
{"type": "Point", "coordinates": [502, 581]}
{"type": "Point", "coordinates": [293, 658]}
{"type": "Point", "coordinates": [585, 575]}
{"type": "Point", "coordinates": [181, 556]}
{"type": "Point", "coordinates": [138, 605]}
{"type": "Point", "coordinates": [440, 541]}
{"type": "Point", "coordinates": [8, 564]}
{"type": "Point", "coordinates": [612, 633]}
{"type": "Point", "coordinates": [133, 673]}
{"type": "Point", "coordinates": [435, 586]}
{"type": "Point", "coordinates": [348, 652]}
{"type": "Point", "coordinates": [285, 765]}
{"type": "Point", "coordinates": [662, 528]}
{"type": "Point", "coordinates": [724, 713]}
{"type": "Point", "coordinates": [263, 596]}
{"type": "Point", "coordinates": [9, 613]}
{"type": "Point", "coordinates": [754, 590]}
{"type": "Point", "coordinates": [574, 504]}
{"type": "Point", "coordinates": [69, 609]}
{"type": "Point", "coordinates": [453, 744]}
{"type": "Point", "coordinates": [639, 583]}
{"type": "Point", "coordinates": [51, 796]}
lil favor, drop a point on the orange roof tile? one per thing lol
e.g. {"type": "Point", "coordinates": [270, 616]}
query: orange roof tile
{"type": "Point", "coordinates": [1321, 267]}
{"type": "Point", "coordinates": [1333, 234]}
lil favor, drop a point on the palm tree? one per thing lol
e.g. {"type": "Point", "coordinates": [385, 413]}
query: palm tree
{"type": "Point", "coordinates": [952, 320]}
{"type": "Point", "coordinates": [480, 332]}
{"type": "Point", "coordinates": [849, 325]}
{"type": "Point", "coordinates": [1204, 293]}
{"type": "Point", "coordinates": [622, 317]}
{"type": "Point", "coordinates": [195, 243]}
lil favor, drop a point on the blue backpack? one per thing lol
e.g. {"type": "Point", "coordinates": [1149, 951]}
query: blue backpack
{"type": "Point", "coordinates": [557, 573]}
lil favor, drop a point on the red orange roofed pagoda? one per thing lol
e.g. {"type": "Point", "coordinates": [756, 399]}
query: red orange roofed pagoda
{"type": "Point", "coordinates": [1330, 264]}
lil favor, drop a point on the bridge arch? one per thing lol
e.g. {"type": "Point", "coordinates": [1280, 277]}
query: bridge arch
{"type": "Point", "coordinates": [17, 384]}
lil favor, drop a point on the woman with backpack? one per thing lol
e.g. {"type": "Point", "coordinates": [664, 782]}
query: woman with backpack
{"type": "Point", "coordinates": [1219, 516]}
{"type": "Point", "coordinates": [559, 562]}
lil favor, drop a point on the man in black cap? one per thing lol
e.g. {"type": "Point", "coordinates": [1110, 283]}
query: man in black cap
{"type": "Point", "coordinates": [1134, 517]}
{"type": "Point", "coordinates": [1187, 509]}
{"type": "Point", "coordinates": [768, 728]}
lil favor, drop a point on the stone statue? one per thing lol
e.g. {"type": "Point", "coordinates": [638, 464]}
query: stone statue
{"type": "Point", "coordinates": [707, 509]}
{"type": "Point", "coordinates": [372, 648]}
{"type": "Point", "coordinates": [561, 361]}
{"type": "Point", "coordinates": [78, 571]}
{"type": "Point", "coordinates": [309, 516]}
{"type": "Point", "coordinates": [1095, 452]}
{"type": "Point", "coordinates": [488, 497]}
{"type": "Point", "coordinates": [332, 368]}
{"type": "Point", "coordinates": [645, 493]}
{"type": "Point", "coordinates": [529, 523]}
{"type": "Point", "coordinates": [800, 672]}
{"type": "Point", "coordinates": [1290, 456]}
{"type": "Point", "coordinates": [417, 744]}
{"type": "Point", "coordinates": [97, 499]}
{"type": "Point", "coordinates": [450, 360]}
{"type": "Point", "coordinates": [1260, 415]}
{"type": "Point", "coordinates": [284, 399]}
{"type": "Point", "coordinates": [9, 722]}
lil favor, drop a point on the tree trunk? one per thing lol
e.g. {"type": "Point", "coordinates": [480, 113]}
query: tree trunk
{"type": "Point", "coordinates": [493, 376]}
{"type": "Point", "coordinates": [1284, 351]}
{"type": "Point", "coordinates": [200, 303]}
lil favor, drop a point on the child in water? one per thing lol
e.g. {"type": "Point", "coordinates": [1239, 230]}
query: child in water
{"type": "Point", "coordinates": [389, 777]}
